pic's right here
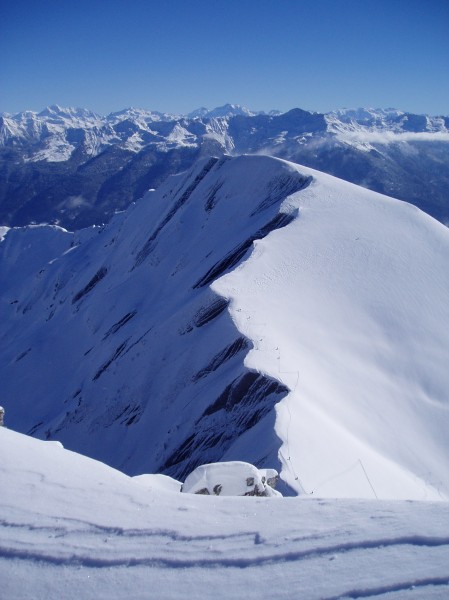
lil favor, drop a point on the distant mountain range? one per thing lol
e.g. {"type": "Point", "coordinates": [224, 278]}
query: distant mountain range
{"type": "Point", "coordinates": [76, 168]}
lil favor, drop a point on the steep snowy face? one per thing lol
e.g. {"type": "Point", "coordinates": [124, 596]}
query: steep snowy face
{"type": "Point", "coordinates": [119, 348]}
{"type": "Point", "coordinates": [351, 315]}
{"type": "Point", "coordinates": [248, 310]}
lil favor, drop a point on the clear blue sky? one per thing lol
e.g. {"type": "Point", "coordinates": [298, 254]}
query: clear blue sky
{"type": "Point", "coordinates": [177, 55]}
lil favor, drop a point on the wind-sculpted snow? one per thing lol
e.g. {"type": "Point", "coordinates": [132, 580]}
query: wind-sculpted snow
{"type": "Point", "coordinates": [248, 310]}
{"type": "Point", "coordinates": [73, 528]}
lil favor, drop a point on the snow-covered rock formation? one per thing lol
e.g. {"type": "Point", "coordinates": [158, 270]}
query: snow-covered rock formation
{"type": "Point", "coordinates": [234, 478]}
{"type": "Point", "coordinates": [250, 309]}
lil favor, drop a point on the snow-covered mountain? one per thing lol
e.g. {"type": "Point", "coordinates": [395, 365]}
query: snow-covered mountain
{"type": "Point", "coordinates": [73, 167]}
{"type": "Point", "coordinates": [227, 110]}
{"type": "Point", "coordinates": [74, 528]}
{"type": "Point", "coordinates": [249, 309]}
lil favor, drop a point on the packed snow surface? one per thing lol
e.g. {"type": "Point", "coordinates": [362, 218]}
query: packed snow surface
{"type": "Point", "coordinates": [74, 528]}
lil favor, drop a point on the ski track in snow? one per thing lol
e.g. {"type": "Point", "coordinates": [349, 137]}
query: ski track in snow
{"type": "Point", "coordinates": [246, 551]}
{"type": "Point", "coordinates": [124, 542]}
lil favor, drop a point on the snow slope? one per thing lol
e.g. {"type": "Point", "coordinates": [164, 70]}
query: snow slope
{"type": "Point", "coordinates": [350, 315]}
{"type": "Point", "coordinates": [74, 528]}
{"type": "Point", "coordinates": [250, 309]}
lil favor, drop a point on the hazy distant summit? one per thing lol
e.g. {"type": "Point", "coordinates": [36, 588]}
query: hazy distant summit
{"type": "Point", "coordinates": [358, 114]}
{"type": "Point", "coordinates": [74, 167]}
{"type": "Point", "coordinates": [227, 110]}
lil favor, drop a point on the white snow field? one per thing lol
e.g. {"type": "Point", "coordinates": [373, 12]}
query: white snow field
{"type": "Point", "coordinates": [73, 528]}
{"type": "Point", "coordinates": [348, 306]}
{"type": "Point", "coordinates": [322, 349]}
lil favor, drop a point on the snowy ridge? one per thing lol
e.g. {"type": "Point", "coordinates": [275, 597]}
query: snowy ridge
{"type": "Point", "coordinates": [80, 529]}
{"type": "Point", "coordinates": [352, 296]}
{"type": "Point", "coordinates": [332, 366]}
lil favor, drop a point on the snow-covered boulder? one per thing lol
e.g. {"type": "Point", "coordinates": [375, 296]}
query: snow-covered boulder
{"type": "Point", "coordinates": [231, 479]}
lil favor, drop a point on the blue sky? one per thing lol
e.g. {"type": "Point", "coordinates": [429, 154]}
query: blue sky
{"type": "Point", "coordinates": [174, 55]}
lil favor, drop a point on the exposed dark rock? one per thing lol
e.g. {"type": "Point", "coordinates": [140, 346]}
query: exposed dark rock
{"type": "Point", "coordinates": [229, 261]}
{"type": "Point", "coordinates": [110, 360]}
{"type": "Point", "coordinates": [226, 354]}
{"type": "Point", "coordinates": [119, 324]}
{"type": "Point", "coordinates": [233, 257]}
{"type": "Point", "coordinates": [99, 275]}
{"type": "Point", "coordinates": [210, 312]}
{"type": "Point", "coordinates": [241, 405]}
{"type": "Point", "coordinates": [23, 354]}
{"type": "Point", "coordinates": [33, 430]}
{"type": "Point", "coordinates": [212, 195]}
{"type": "Point", "coordinates": [281, 188]}
{"type": "Point", "coordinates": [130, 414]}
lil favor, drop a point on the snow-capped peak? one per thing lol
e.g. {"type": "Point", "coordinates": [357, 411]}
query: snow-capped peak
{"type": "Point", "coordinates": [227, 110]}
{"type": "Point", "coordinates": [58, 114]}
{"type": "Point", "coordinates": [140, 114]}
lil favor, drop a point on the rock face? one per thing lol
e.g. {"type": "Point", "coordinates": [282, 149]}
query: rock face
{"type": "Point", "coordinates": [74, 168]}
{"type": "Point", "coordinates": [231, 479]}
